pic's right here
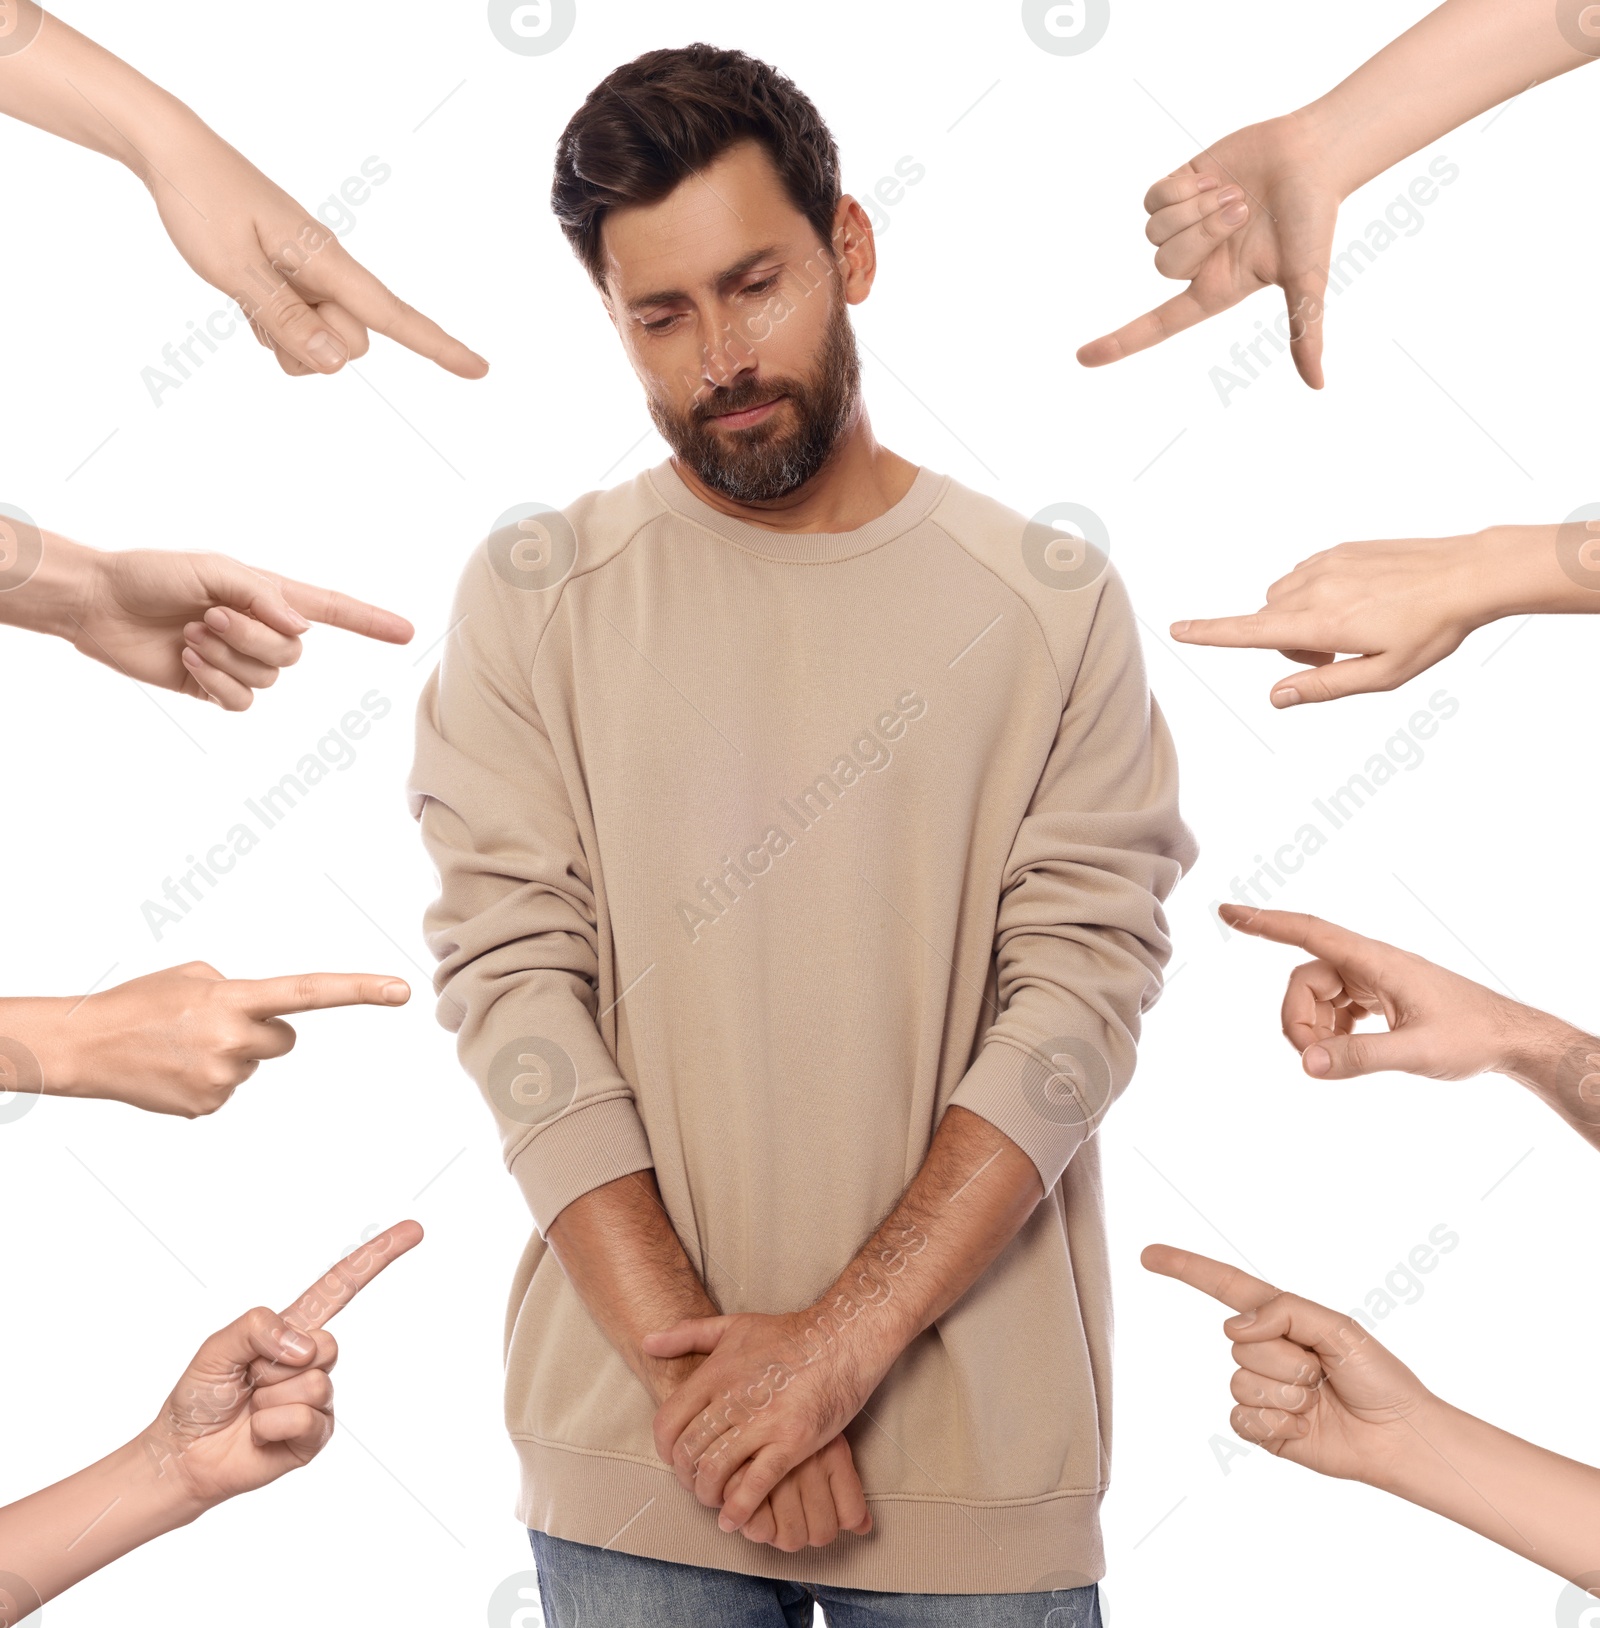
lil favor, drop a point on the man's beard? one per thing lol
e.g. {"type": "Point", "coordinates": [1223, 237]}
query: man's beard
{"type": "Point", "coordinates": [766, 462]}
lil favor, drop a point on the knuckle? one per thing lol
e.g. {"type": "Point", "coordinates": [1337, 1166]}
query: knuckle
{"type": "Point", "coordinates": [290, 314]}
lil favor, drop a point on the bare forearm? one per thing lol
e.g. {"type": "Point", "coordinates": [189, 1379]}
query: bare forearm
{"type": "Point", "coordinates": [1532, 1501]}
{"type": "Point", "coordinates": [975, 1189]}
{"type": "Point", "coordinates": [1484, 576]}
{"type": "Point", "coordinates": [59, 584]}
{"type": "Point", "coordinates": [33, 1031]}
{"type": "Point", "coordinates": [58, 1536]}
{"type": "Point", "coordinates": [1548, 570]}
{"type": "Point", "coordinates": [1459, 60]}
{"type": "Point", "coordinates": [620, 1251]}
{"type": "Point", "coordinates": [66, 84]}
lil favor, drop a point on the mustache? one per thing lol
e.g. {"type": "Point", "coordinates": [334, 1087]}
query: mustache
{"type": "Point", "coordinates": [717, 406]}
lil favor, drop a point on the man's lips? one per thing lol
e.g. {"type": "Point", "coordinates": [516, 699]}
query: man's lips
{"type": "Point", "coordinates": [746, 415]}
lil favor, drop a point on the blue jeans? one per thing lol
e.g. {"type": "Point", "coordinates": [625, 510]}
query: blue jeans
{"type": "Point", "coordinates": [584, 1587]}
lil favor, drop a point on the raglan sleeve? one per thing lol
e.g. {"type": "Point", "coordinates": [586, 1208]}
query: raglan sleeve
{"type": "Point", "coordinates": [514, 927]}
{"type": "Point", "coordinates": [1081, 936]}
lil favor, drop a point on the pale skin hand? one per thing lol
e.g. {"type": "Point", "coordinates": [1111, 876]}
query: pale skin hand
{"type": "Point", "coordinates": [1441, 1026]}
{"type": "Point", "coordinates": [1394, 608]}
{"type": "Point", "coordinates": [179, 1041]}
{"type": "Point", "coordinates": [307, 298]}
{"type": "Point", "coordinates": [619, 1249]}
{"type": "Point", "coordinates": [255, 1403]}
{"type": "Point", "coordinates": [1314, 1387]}
{"type": "Point", "coordinates": [775, 1388]}
{"type": "Point", "coordinates": [303, 293]}
{"type": "Point", "coordinates": [1254, 211]}
{"type": "Point", "coordinates": [1290, 174]}
{"type": "Point", "coordinates": [201, 624]}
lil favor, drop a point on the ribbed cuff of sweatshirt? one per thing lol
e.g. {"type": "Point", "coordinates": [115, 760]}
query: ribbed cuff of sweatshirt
{"type": "Point", "coordinates": [583, 1149]}
{"type": "Point", "coordinates": [1034, 1100]}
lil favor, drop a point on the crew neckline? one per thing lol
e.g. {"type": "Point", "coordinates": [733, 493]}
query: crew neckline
{"type": "Point", "coordinates": [801, 547]}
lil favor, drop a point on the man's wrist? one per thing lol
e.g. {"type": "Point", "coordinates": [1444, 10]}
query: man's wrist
{"type": "Point", "coordinates": [661, 1376]}
{"type": "Point", "coordinates": [1558, 1063]}
{"type": "Point", "coordinates": [872, 1311]}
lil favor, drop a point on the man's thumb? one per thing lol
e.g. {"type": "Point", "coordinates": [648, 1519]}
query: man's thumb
{"type": "Point", "coordinates": [1347, 1055]}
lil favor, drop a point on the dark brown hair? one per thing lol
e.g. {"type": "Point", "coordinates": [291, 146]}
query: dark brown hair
{"type": "Point", "coordinates": [653, 121]}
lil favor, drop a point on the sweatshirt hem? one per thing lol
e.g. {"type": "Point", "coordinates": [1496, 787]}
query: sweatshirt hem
{"type": "Point", "coordinates": [919, 1544]}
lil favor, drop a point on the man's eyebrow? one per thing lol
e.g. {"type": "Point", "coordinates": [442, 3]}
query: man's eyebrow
{"type": "Point", "coordinates": [665, 296]}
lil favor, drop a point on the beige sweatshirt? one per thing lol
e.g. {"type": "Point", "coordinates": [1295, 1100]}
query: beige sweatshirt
{"type": "Point", "coordinates": [756, 851]}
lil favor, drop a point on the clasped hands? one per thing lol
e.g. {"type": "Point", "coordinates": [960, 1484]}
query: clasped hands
{"type": "Point", "coordinates": [757, 1425]}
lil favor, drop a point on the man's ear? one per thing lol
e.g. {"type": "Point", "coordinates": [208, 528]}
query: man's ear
{"type": "Point", "coordinates": [855, 249]}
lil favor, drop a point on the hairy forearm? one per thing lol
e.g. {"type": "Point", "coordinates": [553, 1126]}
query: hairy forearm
{"type": "Point", "coordinates": [1458, 61]}
{"type": "Point", "coordinates": [58, 1536]}
{"type": "Point", "coordinates": [621, 1253]}
{"type": "Point", "coordinates": [1561, 1066]}
{"type": "Point", "coordinates": [975, 1189]}
{"type": "Point", "coordinates": [1532, 1501]}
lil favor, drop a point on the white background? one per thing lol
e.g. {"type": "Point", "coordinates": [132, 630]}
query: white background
{"type": "Point", "coordinates": [130, 1237]}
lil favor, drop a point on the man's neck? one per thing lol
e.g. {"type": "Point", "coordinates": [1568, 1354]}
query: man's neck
{"type": "Point", "coordinates": [860, 481]}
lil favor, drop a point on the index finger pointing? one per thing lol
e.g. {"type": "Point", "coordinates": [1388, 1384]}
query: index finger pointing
{"type": "Point", "coordinates": [316, 991]}
{"type": "Point", "coordinates": [1323, 939]}
{"type": "Point", "coordinates": [1261, 630]}
{"type": "Point", "coordinates": [344, 1281]}
{"type": "Point", "coordinates": [1215, 1278]}
{"type": "Point", "coordinates": [340, 610]}
{"type": "Point", "coordinates": [1181, 311]}
{"type": "Point", "coordinates": [385, 312]}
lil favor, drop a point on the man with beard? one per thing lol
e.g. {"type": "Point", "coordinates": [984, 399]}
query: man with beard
{"type": "Point", "coordinates": [803, 823]}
